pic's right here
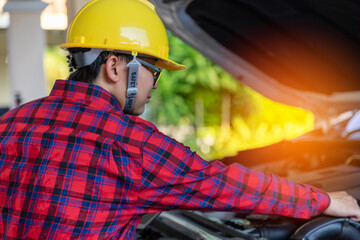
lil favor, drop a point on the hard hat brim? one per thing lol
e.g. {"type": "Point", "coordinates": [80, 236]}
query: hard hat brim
{"type": "Point", "coordinates": [169, 65]}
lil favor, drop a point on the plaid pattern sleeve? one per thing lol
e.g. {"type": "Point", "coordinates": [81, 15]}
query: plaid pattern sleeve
{"type": "Point", "coordinates": [174, 177]}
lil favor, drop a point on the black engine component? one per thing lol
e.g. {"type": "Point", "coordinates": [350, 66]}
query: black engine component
{"type": "Point", "coordinates": [277, 231]}
{"type": "Point", "coordinates": [325, 228]}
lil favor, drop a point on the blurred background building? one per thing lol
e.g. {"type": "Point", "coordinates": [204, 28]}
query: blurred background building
{"type": "Point", "coordinates": [27, 29]}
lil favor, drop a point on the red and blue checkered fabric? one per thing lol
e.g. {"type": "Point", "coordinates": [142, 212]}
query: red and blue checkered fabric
{"type": "Point", "coordinates": [72, 165]}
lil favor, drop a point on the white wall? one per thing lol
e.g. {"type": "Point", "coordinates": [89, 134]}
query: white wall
{"type": "Point", "coordinates": [26, 43]}
{"type": "Point", "coordinates": [4, 76]}
{"type": "Point", "coordinates": [22, 45]}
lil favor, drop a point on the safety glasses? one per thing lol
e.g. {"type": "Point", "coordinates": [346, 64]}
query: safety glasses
{"type": "Point", "coordinates": [156, 70]}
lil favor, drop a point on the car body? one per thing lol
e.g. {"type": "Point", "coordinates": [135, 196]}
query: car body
{"type": "Point", "coordinates": [301, 53]}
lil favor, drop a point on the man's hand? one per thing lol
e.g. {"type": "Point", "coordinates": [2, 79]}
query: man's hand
{"type": "Point", "coordinates": [343, 205]}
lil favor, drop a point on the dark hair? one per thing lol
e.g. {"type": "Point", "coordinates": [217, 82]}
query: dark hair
{"type": "Point", "coordinates": [89, 73]}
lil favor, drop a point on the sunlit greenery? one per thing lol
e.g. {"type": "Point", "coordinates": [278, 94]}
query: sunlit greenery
{"type": "Point", "coordinates": [205, 108]}
{"type": "Point", "coordinates": [55, 64]}
{"type": "Point", "coordinates": [215, 114]}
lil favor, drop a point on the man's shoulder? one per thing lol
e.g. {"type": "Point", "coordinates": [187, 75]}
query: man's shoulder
{"type": "Point", "coordinates": [22, 110]}
{"type": "Point", "coordinates": [119, 126]}
{"type": "Point", "coordinates": [138, 124]}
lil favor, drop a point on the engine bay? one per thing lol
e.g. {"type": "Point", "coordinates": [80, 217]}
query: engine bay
{"type": "Point", "coordinates": [329, 164]}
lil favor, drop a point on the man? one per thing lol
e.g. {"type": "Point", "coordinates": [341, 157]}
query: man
{"type": "Point", "coordinates": [80, 164]}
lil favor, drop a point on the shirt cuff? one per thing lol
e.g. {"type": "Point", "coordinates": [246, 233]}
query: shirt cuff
{"type": "Point", "coordinates": [323, 202]}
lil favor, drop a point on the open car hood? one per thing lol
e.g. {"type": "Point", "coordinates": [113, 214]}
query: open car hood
{"type": "Point", "coordinates": [301, 53]}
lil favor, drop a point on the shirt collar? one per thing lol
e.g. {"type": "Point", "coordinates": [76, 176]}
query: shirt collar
{"type": "Point", "coordinates": [86, 92]}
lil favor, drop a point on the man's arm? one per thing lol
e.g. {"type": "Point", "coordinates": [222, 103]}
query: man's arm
{"type": "Point", "coordinates": [174, 177]}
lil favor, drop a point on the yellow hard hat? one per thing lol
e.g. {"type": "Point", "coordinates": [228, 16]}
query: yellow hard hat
{"type": "Point", "coordinates": [123, 25]}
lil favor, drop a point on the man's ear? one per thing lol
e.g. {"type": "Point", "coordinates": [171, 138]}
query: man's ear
{"type": "Point", "coordinates": [113, 67]}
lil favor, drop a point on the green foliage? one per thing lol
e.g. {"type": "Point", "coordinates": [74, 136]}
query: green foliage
{"type": "Point", "coordinates": [194, 97]}
{"type": "Point", "coordinates": [55, 65]}
{"type": "Point", "coordinates": [178, 90]}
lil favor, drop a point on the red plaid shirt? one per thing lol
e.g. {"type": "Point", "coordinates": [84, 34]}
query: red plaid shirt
{"type": "Point", "coordinates": [74, 166]}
